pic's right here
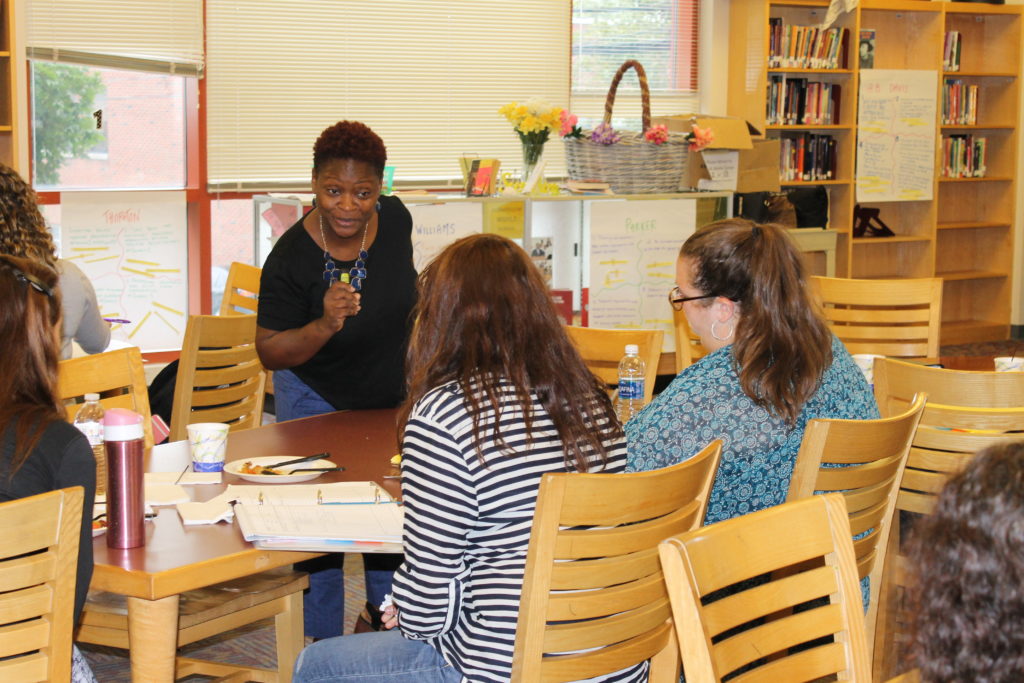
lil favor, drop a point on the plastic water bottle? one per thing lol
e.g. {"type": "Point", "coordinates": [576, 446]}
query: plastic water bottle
{"type": "Point", "coordinates": [631, 384]}
{"type": "Point", "coordinates": [126, 498]}
{"type": "Point", "coordinates": [89, 421]}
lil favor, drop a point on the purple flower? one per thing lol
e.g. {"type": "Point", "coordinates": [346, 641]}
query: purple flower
{"type": "Point", "coordinates": [604, 134]}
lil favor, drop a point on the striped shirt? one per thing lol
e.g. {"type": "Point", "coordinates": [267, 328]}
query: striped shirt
{"type": "Point", "coordinates": [467, 527]}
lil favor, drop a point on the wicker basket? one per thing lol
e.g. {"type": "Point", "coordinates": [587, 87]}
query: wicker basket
{"type": "Point", "coordinates": [632, 165]}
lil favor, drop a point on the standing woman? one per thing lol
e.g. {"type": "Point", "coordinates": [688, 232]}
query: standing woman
{"type": "Point", "coordinates": [498, 396]}
{"type": "Point", "coordinates": [23, 232]}
{"type": "Point", "coordinates": [333, 322]}
{"type": "Point", "coordinates": [39, 451]}
{"type": "Point", "coordinates": [772, 365]}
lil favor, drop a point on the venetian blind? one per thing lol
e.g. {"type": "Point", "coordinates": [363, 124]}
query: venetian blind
{"type": "Point", "coordinates": [661, 34]}
{"type": "Point", "coordinates": [163, 36]}
{"type": "Point", "coordinates": [428, 77]}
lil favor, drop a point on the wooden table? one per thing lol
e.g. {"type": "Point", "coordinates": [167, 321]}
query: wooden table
{"type": "Point", "coordinates": [177, 558]}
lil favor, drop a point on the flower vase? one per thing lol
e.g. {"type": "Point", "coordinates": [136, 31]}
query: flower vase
{"type": "Point", "coordinates": [532, 152]}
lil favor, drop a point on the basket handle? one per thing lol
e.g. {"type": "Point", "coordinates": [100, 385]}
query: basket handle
{"type": "Point", "coordinates": [645, 93]}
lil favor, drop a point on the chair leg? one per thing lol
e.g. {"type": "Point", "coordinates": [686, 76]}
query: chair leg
{"type": "Point", "coordinates": [289, 634]}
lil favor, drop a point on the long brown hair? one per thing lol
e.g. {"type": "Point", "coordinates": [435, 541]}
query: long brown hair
{"type": "Point", "coordinates": [484, 313]}
{"type": "Point", "coordinates": [782, 346]}
{"type": "Point", "coordinates": [29, 321]}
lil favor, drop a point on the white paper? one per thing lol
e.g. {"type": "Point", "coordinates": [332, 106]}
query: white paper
{"type": "Point", "coordinates": [438, 224]}
{"type": "Point", "coordinates": [187, 479]}
{"type": "Point", "coordinates": [896, 135]}
{"type": "Point", "coordinates": [173, 456]}
{"type": "Point", "coordinates": [723, 165]}
{"type": "Point", "coordinates": [217, 509]}
{"type": "Point", "coordinates": [367, 522]}
{"type": "Point", "coordinates": [165, 494]}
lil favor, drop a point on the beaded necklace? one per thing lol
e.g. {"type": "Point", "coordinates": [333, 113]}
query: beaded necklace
{"type": "Point", "coordinates": [357, 273]}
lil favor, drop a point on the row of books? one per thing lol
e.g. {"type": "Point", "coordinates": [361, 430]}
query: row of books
{"type": "Point", "coordinates": [951, 51]}
{"type": "Point", "coordinates": [807, 156]}
{"type": "Point", "coordinates": [806, 47]}
{"type": "Point", "coordinates": [798, 101]}
{"type": "Point", "coordinates": [964, 156]}
{"type": "Point", "coordinates": [959, 103]}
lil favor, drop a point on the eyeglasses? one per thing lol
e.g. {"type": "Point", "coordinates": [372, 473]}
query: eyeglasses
{"type": "Point", "coordinates": [32, 281]}
{"type": "Point", "coordinates": [676, 298]}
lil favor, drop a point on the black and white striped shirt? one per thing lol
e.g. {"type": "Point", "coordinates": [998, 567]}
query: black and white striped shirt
{"type": "Point", "coordinates": [467, 527]}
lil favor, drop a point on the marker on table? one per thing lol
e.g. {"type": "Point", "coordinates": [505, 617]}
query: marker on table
{"type": "Point", "coordinates": [121, 321]}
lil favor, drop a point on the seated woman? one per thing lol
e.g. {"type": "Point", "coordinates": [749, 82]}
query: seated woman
{"type": "Point", "coordinates": [23, 232]}
{"type": "Point", "coordinates": [967, 558]}
{"type": "Point", "coordinates": [772, 365]}
{"type": "Point", "coordinates": [497, 397]}
{"type": "Point", "coordinates": [39, 451]}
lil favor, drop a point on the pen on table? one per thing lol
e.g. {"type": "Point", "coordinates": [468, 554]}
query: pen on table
{"type": "Point", "coordinates": [121, 321]}
{"type": "Point", "coordinates": [182, 473]}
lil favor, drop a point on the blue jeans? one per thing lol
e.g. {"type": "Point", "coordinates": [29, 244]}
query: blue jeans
{"type": "Point", "coordinates": [324, 602]}
{"type": "Point", "coordinates": [386, 657]}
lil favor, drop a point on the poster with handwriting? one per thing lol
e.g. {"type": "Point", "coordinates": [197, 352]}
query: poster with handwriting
{"type": "Point", "coordinates": [435, 225]}
{"type": "Point", "coordinates": [133, 246]}
{"type": "Point", "coordinates": [896, 135]}
{"type": "Point", "coordinates": [633, 249]}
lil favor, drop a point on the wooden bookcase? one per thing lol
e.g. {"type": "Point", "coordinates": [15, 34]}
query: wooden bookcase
{"type": "Point", "coordinates": [965, 233]}
{"type": "Point", "coordinates": [8, 142]}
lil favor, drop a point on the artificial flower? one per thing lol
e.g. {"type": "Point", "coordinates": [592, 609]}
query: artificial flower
{"type": "Point", "coordinates": [604, 134]}
{"type": "Point", "coordinates": [656, 134]}
{"type": "Point", "coordinates": [700, 137]}
{"type": "Point", "coordinates": [569, 128]}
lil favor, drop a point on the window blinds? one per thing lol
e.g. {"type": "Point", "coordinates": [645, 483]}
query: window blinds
{"type": "Point", "coordinates": [163, 36]}
{"type": "Point", "coordinates": [428, 77]}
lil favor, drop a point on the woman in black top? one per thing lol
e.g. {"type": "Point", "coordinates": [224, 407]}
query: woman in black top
{"type": "Point", "coordinates": [333, 321]}
{"type": "Point", "coordinates": [39, 450]}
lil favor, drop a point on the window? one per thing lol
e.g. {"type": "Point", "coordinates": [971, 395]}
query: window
{"type": "Point", "coordinates": [660, 34]}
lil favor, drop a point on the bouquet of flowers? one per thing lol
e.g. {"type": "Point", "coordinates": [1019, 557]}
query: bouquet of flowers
{"type": "Point", "coordinates": [533, 120]}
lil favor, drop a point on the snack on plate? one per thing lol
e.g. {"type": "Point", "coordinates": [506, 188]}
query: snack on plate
{"type": "Point", "coordinates": [396, 459]}
{"type": "Point", "coordinates": [99, 523]}
{"type": "Point", "coordinates": [249, 468]}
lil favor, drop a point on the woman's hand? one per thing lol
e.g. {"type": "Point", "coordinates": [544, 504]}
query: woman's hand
{"type": "Point", "coordinates": [340, 302]}
{"type": "Point", "coordinates": [389, 619]}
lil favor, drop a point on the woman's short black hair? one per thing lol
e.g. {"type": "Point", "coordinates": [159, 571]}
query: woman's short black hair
{"type": "Point", "coordinates": [350, 140]}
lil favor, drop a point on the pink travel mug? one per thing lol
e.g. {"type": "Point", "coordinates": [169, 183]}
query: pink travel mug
{"type": "Point", "coordinates": [126, 499]}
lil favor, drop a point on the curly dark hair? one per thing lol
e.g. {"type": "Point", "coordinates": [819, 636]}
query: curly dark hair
{"type": "Point", "coordinates": [23, 231]}
{"type": "Point", "coordinates": [350, 140]}
{"type": "Point", "coordinates": [969, 565]}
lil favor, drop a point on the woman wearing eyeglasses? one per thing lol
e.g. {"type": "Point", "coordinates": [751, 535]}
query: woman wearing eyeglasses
{"type": "Point", "coordinates": [40, 451]}
{"type": "Point", "coordinates": [772, 365]}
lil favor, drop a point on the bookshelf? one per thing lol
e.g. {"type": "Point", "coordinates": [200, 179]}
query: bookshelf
{"type": "Point", "coordinates": [965, 233]}
{"type": "Point", "coordinates": [8, 142]}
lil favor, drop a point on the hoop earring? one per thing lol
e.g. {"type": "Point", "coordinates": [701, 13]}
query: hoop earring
{"type": "Point", "coordinates": [715, 335]}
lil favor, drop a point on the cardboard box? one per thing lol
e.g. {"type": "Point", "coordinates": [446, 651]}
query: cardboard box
{"type": "Point", "coordinates": [733, 161]}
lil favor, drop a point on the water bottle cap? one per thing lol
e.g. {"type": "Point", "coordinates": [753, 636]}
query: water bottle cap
{"type": "Point", "coordinates": [92, 397]}
{"type": "Point", "coordinates": [120, 424]}
{"type": "Point", "coordinates": [632, 349]}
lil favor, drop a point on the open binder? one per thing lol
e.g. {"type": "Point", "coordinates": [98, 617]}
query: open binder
{"type": "Point", "coordinates": [340, 517]}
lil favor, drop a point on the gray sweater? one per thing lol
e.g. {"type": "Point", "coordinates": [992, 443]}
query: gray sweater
{"type": "Point", "coordinates": [82, 320]}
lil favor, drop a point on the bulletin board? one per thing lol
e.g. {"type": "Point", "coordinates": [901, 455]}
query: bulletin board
{"type": "Point", "coordinates": [633, 250]}
{"type": "Point", "coordinates": [896, 135]}
{"type": "Point", "coordinates": [133, 246]}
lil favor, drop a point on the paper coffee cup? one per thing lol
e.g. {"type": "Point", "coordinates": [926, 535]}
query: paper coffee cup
{"type": "Point", "coordinates": [1009, 363]}
{"type": "Point", "coordinates": [866, 363]}
{"type": "Point", "coordinates": [208, 442]}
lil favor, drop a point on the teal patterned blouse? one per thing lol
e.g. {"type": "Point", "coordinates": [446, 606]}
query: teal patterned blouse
{"type": "Point", "coordinates": [705, 402]}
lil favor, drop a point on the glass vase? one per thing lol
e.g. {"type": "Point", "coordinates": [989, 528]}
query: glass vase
{"type": "Point", "coordinates": [532, 152]}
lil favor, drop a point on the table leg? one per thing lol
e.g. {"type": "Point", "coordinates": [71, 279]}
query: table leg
{"type": "Point", "coordinates": [153, 638]}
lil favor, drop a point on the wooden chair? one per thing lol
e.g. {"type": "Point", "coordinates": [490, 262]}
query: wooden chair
{"type": "Point", "coordinates": [966, 411]}
{"type": "Point", "coordinates": [702, 562]}
{"type": "Point", "coordinates": [241, 289]}
{"type": "Point", "coordinates": [898, 318]}
{"type": "Point", "coordinates": [593, 586]}
{"type": "Point", "coordinates": [117, 376]}
{"type": "Point", "coordinates": [220, 377]}
{"type": "Point", "coordinates": [863, 460]}
{"type": "Point", "coordinates": [602, 350]}
{"type": "Point", "coordinates": [38, 563]}
{"type": "Point", "coordinates": [688, 347]}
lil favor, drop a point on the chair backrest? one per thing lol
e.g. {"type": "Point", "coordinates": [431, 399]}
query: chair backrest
{"type": "Point", "coordinates": [864, 460]}
{"type": "Point", "coordinates": [966, 412]}
{"type": "Point", "coordinates": [117, 376]}
{"type": "Point", "coordinates": [602, 349]}
{"type": "Point", "coordinates": [688, 347]}
{"type": "Point", "coordinates": [241, 289]}
{"type": "Point", "coordinates": [899, 318]}
{"type": "Point", "coordinates": [593, 581]}
{"type": "Point", "coordinates": [815, 531]}
{"type": "Point", "coordinates": [38, 560]}
{"type": "Point", "coordinates": [220, 377]}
